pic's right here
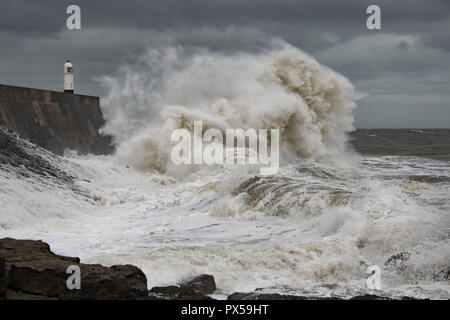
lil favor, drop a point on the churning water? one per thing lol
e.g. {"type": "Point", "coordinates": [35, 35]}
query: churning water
{"type": "Point", "coordinates": [339, 203]}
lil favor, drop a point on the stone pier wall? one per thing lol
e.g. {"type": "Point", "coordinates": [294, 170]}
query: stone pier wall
{"type": "Point", "coordinates": [54, 120]}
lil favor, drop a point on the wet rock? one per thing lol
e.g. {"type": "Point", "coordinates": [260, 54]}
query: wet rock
{"type": "Point", "coordinates": [369, 297]}
{"type": "Point", "coordinates": [200, 285]}
{"type": "Point", "coordinates": [276, 296]}
{"type": "Point", "coordinates": [196, 288]}
{"type": "Point", "coordinates": [32, 271]}
{"type": "Point", "coordinates": [267, 296]}
{"type": "Point", "coordinates": [170, 291]}
{"type": "Point", "coordinates": [375, 297]}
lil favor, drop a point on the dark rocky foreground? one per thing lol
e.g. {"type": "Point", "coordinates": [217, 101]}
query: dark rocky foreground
{"type": "Point", "coordinates": [276, 296]}
{"type": "Point", "coordinates": [194, 289]}
{"type": "Point", "coordinates": [30, 271]}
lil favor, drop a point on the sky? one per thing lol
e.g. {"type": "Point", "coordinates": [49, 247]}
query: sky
{"type": "Point", "coordinates": [402, 69]}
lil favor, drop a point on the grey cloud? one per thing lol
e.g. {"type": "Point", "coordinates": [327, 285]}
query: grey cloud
{"type": "Point", "coordinates": [404, 64]}
{"type": "Point", "coordinates": [46, 15]}
{"type": "Point", "coordinates": [369, 56]}
{"type": "Point", "coordinates": [36, 61]}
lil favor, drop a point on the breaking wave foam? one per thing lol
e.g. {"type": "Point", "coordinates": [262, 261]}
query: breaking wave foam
{"type": "Point", "coordinates": [280, 88]}
{"type": "Point", "coordinates": [314, 227]}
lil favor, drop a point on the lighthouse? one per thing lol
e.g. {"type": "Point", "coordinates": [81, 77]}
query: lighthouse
{"type": "Point", "coordinates": [68, 77]}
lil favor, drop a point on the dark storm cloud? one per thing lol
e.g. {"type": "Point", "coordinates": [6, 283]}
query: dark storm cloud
{"type": "Point", "coordinates": [404, 64]}
{"type": "Point", "coordinates": [45, 15]}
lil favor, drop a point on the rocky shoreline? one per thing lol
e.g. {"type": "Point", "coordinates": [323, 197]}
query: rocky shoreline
{"type": "Point", "coordinates": [29, 270]}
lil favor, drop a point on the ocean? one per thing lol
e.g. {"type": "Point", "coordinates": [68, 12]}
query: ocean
{"type": "Point", "coordinates": [343, 199]}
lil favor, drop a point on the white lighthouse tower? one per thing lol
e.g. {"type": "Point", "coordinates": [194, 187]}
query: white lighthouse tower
{"type": "Point", "coordinates": [68, 77]}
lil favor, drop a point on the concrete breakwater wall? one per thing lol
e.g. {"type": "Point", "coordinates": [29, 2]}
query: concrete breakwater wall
{"type": "Point", "coordinates": [54, 120]}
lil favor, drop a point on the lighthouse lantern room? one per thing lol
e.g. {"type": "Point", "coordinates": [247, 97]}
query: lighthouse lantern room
{"type": "Point", "coordinates": [68, 77]}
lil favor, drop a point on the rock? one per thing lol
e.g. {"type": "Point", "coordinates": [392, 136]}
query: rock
{"type": "Point", "coordinates": [32, 271]}
{"type": "Point", "coordinates": [375, 297]}
{"type": "Point", "coordinates": [369, 297]}
{"type": "Point", "coordinates": [170, 291]}
{"type": "Point", "coordinates": [200, 285]}
{"type": "Point", "coordinates": [276, 296]}
{"type": "Point", "coordinates": [196, 288]}
{"type": "Point", "coordinates": [267, 296]}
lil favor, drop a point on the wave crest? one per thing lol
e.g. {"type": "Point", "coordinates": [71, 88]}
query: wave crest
{"type": "Point", "coordinates": [282, 88]}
